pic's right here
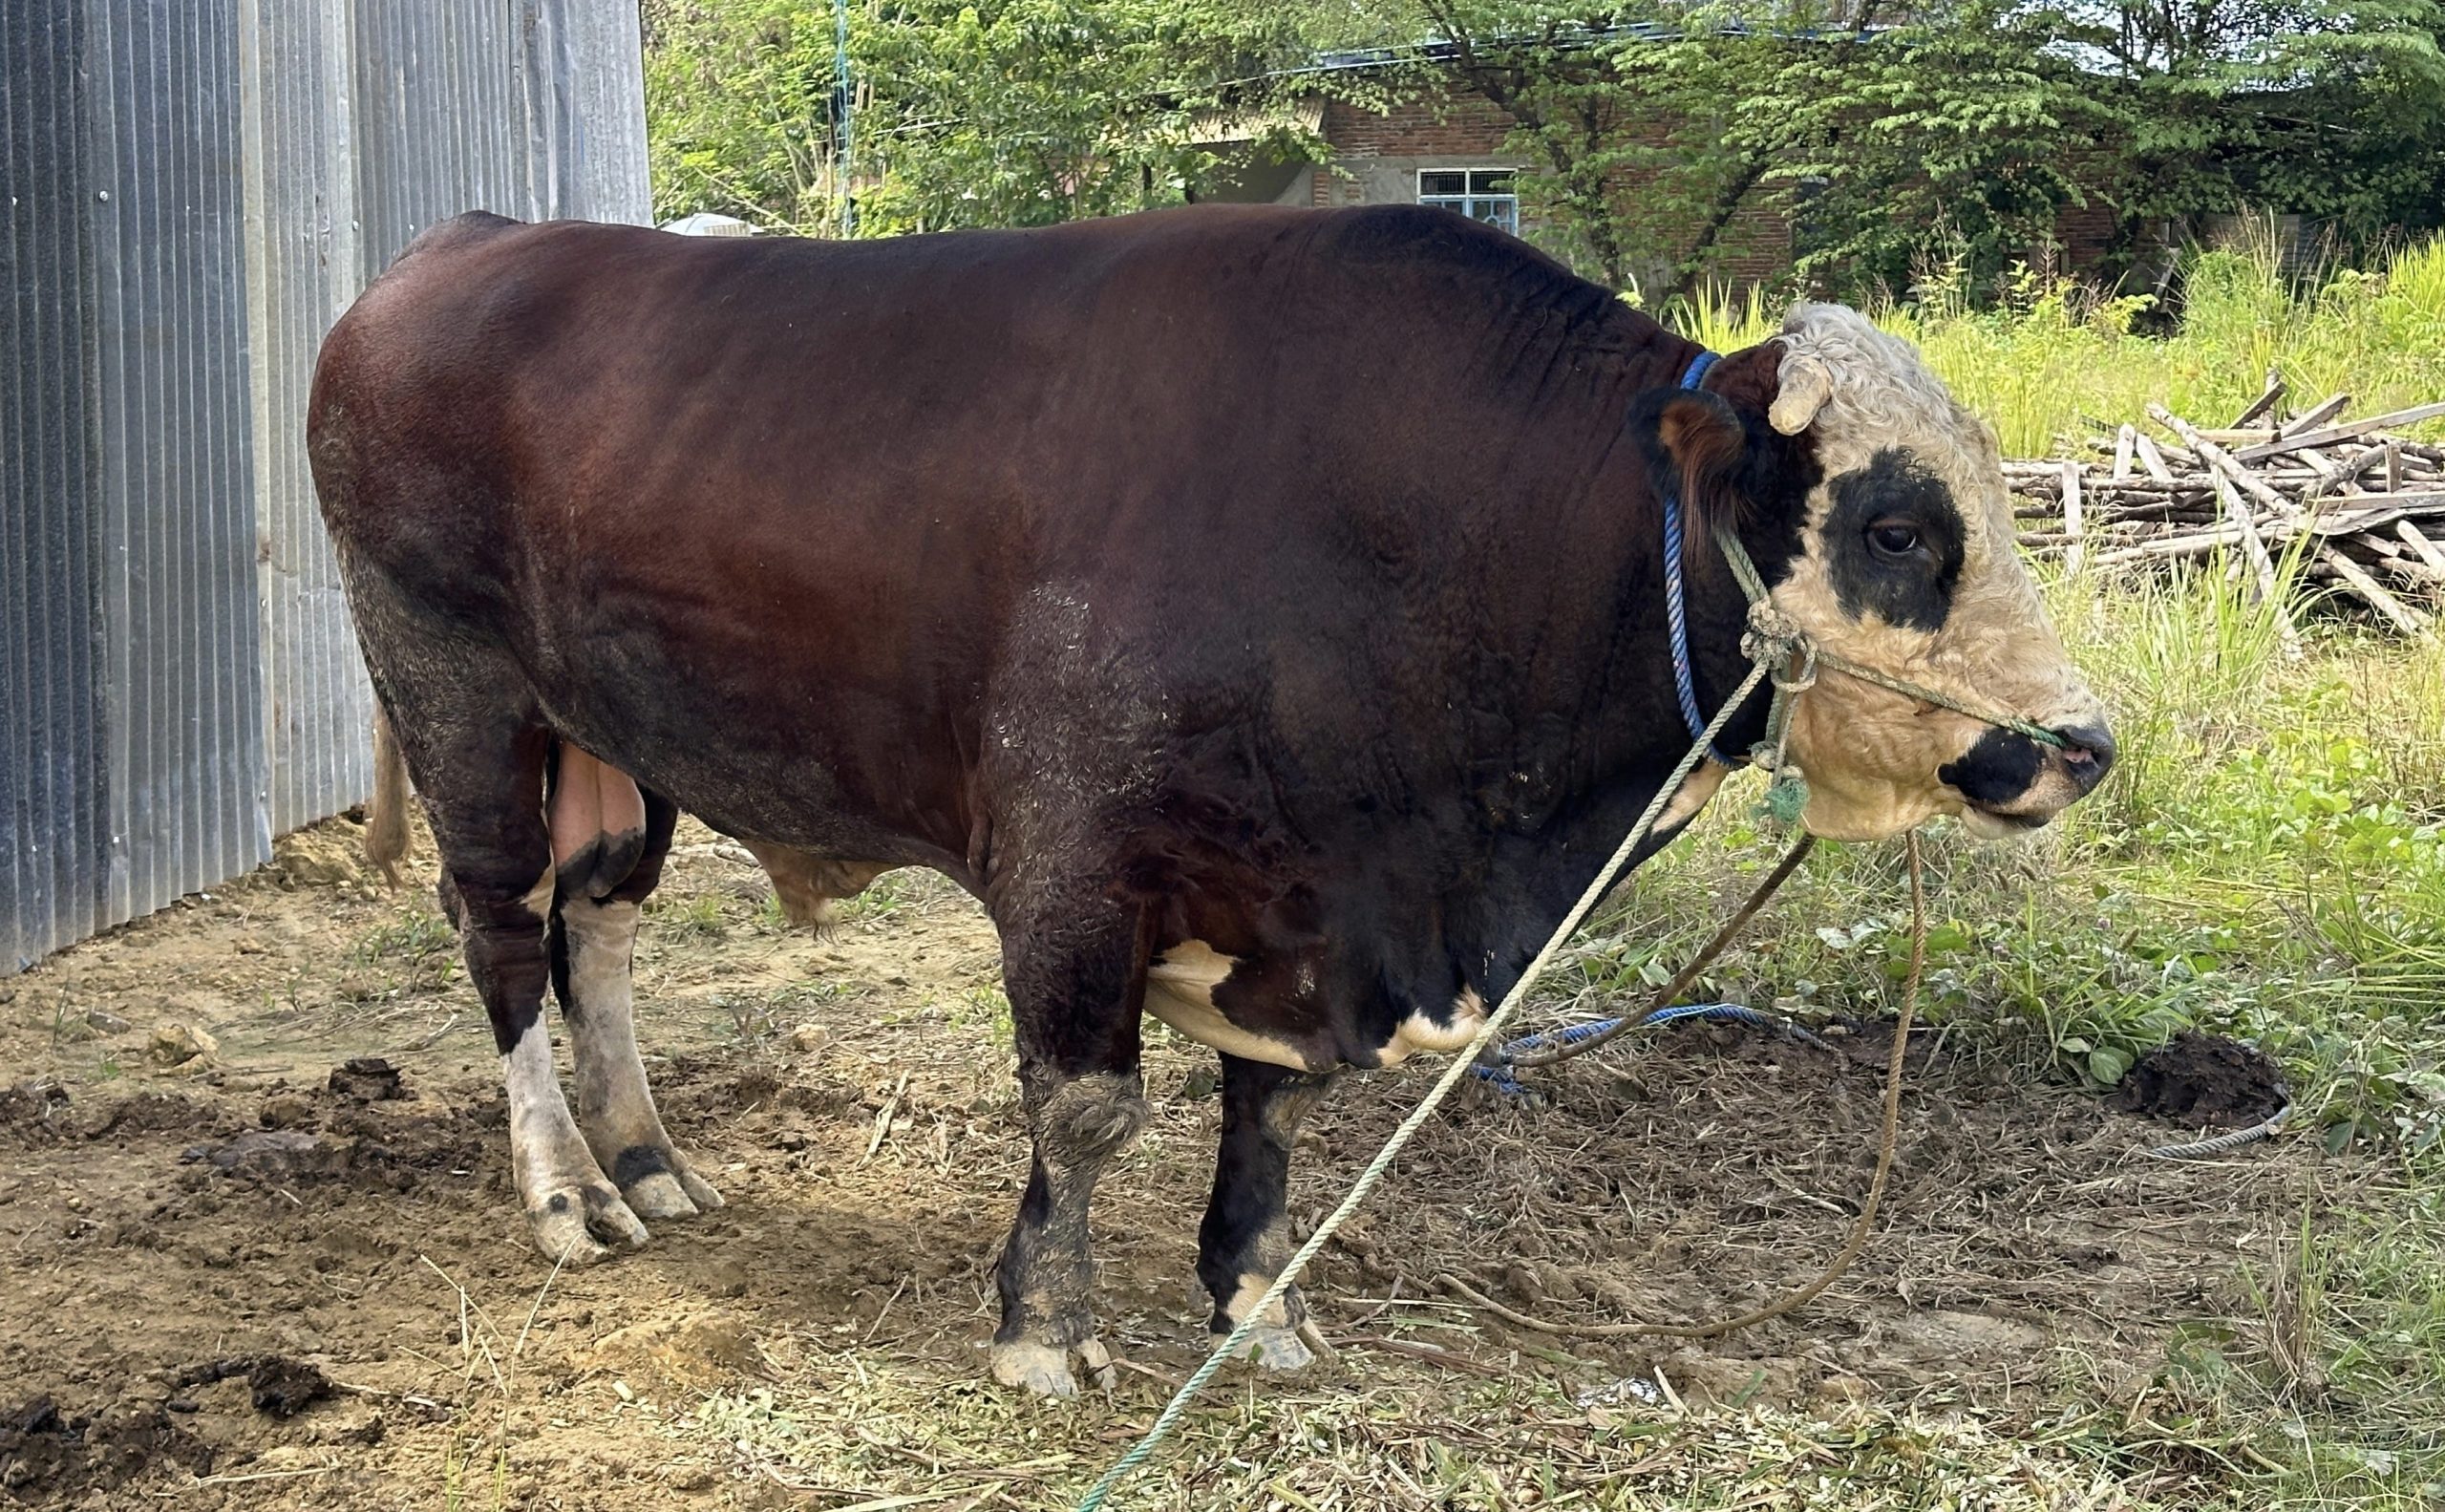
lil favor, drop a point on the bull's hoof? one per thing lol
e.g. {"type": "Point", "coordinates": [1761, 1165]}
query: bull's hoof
{"type": "Point", "coordinates": [1044, 1369]}
{"type": "Point", "coordinates": [656, 1184]}
{"type": "Point", "coordinates": [578, 1226]}
{"type": "Point", "coordinates": [671, 1194]}
{"type": "Point", "coordinates": [1271, 1346]}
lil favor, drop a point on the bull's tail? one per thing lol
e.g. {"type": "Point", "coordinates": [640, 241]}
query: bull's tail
{"type": "Point", "coordinates": [386, 812]}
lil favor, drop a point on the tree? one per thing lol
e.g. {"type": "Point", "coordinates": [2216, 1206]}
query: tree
{"type": "Point", "coordinates": [1655, 133]}
{"type": "Point", "coordinates": [738, 109]}
{"type": "Point", "coordinates": [1633, 118]}
{"type": "Point", "coordinates": [967, 112]}
{"type": "Point", "coordinates": [1876, 126]}
{"type": "Point", "coordinates": [1655, 125]}
{"type": "Point", "coordinates": [2327, 108]}
{"type": "Point", "coordinates": [1961, 122]}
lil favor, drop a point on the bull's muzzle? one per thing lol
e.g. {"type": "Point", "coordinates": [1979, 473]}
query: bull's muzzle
{"type": "Point", "coordinates": [2088, 753]}
{"type": "Point", "coordinates": [2012, 780]}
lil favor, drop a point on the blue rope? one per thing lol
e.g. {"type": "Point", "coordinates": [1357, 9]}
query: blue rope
{"type": "Point", "coordinates": [1498, 1072]}
{"type": "Point", "coordinates": [1675, 612]}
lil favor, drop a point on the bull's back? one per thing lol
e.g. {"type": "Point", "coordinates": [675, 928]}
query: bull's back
{"type": "Point", "coordinates": [822, 497]}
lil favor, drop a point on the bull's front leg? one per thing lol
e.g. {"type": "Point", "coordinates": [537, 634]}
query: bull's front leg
{"type": "Point", "coordinates": [1076, 986]}
{"type": "Point", "coordinates": [1245, 1239]}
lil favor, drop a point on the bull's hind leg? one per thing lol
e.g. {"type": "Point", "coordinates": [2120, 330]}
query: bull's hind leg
{"type": "Point", "coordinates": [1245, 1239]}
{"type": "Point", "coordinates": [1076, 978]}
{"type": "Point", "coordinates": [609, 842]}
{"type": "Point", "coordinates": [479, 757]}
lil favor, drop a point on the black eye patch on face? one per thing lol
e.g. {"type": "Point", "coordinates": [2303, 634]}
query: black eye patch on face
{"type": "Point", "coordinates": [1894, 502]}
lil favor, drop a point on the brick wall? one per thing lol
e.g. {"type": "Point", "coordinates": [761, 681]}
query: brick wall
{"type": "Point", "coordinates": [2085, 234]}
{"type": "Point", "coordinates": [1464, 126]}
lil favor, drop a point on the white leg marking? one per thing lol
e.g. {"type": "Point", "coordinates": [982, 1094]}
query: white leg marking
{"type": "Point", "coordinates": [1274, 1343]}
{"type": "Point", "coordinates": [1180, 991]}
{"type": "Point", "coordinates": [1039, 1367]}
{"type": "Point", "coordinates": [1418, 1032]}
{"type": "Point", "coordinates": [614, 1102]}
{"type": "Point", "coordinates": [567, 1200]}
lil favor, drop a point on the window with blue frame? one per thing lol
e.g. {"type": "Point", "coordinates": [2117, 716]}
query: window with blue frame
{"type": "Point", "coordinates": [1481, 194]}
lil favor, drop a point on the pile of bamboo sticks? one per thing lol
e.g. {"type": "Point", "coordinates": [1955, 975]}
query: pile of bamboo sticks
{"type": "Point", "coordinates": [2363, 507]}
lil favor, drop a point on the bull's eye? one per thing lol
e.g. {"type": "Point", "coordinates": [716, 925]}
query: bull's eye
{"type": "Point", "coordinates": [1892, 537]}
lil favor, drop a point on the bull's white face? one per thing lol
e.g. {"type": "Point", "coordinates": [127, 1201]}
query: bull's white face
{"type": "Point", "coordinates": [1907, 565]}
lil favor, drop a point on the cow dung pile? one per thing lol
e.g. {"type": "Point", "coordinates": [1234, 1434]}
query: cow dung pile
{"type": "Point", "coordinates": [2350, 506]}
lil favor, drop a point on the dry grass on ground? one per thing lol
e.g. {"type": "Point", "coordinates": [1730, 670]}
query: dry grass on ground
{"type": "Point", "coordinates": [2032, 1325]}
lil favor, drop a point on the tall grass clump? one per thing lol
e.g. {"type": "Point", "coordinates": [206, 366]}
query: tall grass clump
{"type": "Point", "coordinates": [2047, 361]}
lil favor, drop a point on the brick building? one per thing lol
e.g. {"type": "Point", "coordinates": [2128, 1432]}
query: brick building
{"type": "Point", "coordinates": [1450, 151]}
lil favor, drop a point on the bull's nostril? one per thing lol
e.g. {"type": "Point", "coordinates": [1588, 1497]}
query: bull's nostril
{"type": "Point", "coordinates": [2089, 748]}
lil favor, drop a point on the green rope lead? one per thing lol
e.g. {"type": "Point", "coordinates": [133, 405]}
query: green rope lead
{"type": "Point", "coordinates": [1461, 1061]}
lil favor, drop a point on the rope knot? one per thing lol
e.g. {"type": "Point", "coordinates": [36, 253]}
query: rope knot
{"type": "Point", "coordinates": [1774, 638]}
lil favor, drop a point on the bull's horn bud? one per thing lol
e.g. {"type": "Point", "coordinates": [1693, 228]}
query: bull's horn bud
{"type": "Point", "coordinates": [1804, 383]}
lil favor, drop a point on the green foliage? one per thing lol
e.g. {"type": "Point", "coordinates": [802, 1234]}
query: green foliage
{"type": "Point", "coordinates": [1659, 137]}
{"type": "Point", "coordinates": [1035, 111]}
{"type": "Point", "coordinates": [2047, 362]}
{"type": "Point", "coordinates": [1961, 125]}
{"type": "Point", "coordinates": [1647, 126]}
{"type": "Point", "coordinates": [738, 107]}
{"type": "Point", "coordinates": [2326, 107]}
{"type": "Point", "coordinates": [1001, 113]}
{"type": "Point", "coordinates": [1878, 129]}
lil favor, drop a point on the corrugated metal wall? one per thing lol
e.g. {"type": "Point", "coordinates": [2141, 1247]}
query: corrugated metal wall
{"type": "Point", "coordinates": [134, 713]}
{"type": "Point", "coordinates": [53, 851]}
{"type": "Point", "coordinates": [304, 264]}
{"type": "Point", "coordinates": [195, 189]}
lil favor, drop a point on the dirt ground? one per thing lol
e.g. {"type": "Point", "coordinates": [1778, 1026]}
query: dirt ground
{"type": "Point", "coordinates": [235, 1281]}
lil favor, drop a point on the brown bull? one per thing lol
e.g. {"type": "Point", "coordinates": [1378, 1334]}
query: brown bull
{"type": "Point", "coordinates": [1260, 611]}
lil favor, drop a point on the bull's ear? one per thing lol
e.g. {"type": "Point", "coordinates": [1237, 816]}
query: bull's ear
{"type": "Point", "coordinates": [1696, 450]}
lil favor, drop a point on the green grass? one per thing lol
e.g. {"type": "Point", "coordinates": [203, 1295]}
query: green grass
{"type": "Point", "coordinates": [2267, 861]}
{"type": "Point", "coordinates": [700, 916]}
{"type": "Point", "coordinates": [881, 900]}
{"type": "Point", "coordinates": [2050, 362]}
{"type": "Point", "coordinates": [2268, 858]}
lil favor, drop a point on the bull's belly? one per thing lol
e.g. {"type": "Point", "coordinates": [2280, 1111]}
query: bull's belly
{"type": "Point", "coordinates": [760, 767]}
{"type": "Point", "coordinates": [1180, 991]}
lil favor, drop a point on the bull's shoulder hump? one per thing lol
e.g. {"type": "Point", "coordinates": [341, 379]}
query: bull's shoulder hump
{"type": "Point", "coordinates": [467, 228]}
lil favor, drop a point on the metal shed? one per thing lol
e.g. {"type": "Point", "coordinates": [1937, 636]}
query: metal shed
{"type": "Point", "coordinates": [195, 190]}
